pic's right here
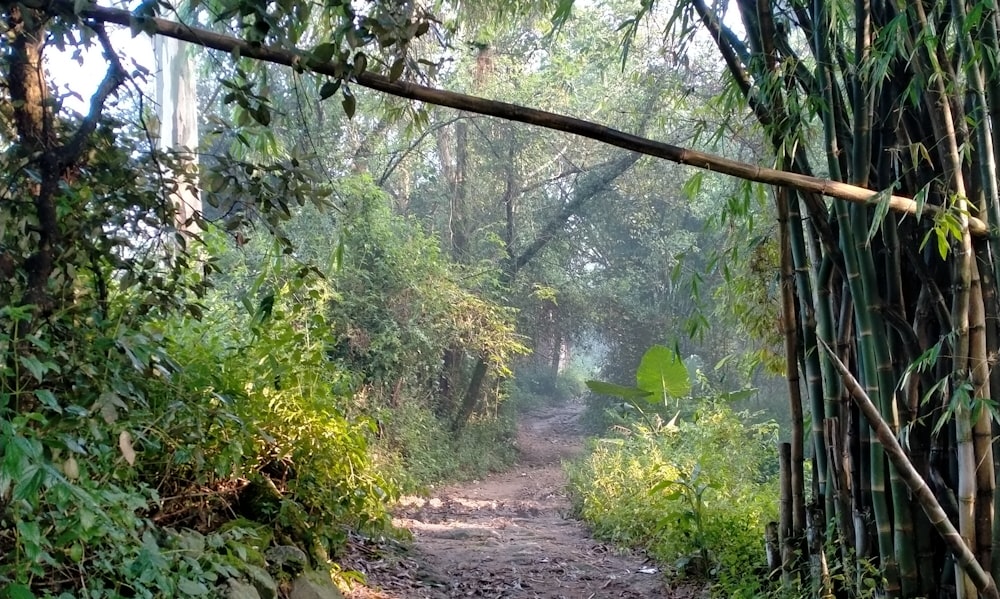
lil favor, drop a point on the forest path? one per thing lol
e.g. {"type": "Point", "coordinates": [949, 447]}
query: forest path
{"type": "Point", "coordinates": [509, 535]}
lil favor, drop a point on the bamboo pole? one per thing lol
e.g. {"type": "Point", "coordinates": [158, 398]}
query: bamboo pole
{"type": "Point", "coordinates": [964, 556]}
{"type": "Point", "coordinates": [944, 124]}
{"type": "Point", "coordinates": [982, 433]}
{"type": "Point", "coordinates": [790, 332]}
{"type": "Point", "coordinates": [785, 537]}
{"type": "Point", "coordinates": [979, 368]}
{"type": "Point", "coordinates": [513, 112]}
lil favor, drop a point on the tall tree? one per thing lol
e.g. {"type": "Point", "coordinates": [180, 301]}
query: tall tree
{"type": "Point", "coordinates": [177, 112]}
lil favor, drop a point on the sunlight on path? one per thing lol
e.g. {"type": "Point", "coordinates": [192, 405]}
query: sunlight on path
{"type": "Point", "coordinates": [509, 535]}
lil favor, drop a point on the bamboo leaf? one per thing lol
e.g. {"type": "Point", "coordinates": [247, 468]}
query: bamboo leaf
{"type": "Point", "coordinates": [921, 198]}
{"type": "Point", "coordinates": [881, 209]}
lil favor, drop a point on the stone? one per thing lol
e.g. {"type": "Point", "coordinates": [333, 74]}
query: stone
{"type": "Point", "coordinates": [287, 557]}
{"type": "Point", "coordinates": [314, 585]}
{"type": "Point", "coordinates": [237, 589]}
{"type": "Point", "coordinates": [261, 580]}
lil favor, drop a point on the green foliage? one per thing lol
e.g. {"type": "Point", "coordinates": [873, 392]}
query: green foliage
{"type": "Point", "coordinates": [535, 386]}
{"type": "Point", "coordinates": [377, 312]}
{"type": "Point", "coordinates": [661, 376]}
{"type": "Point", "coordinates": [419, 449]}
{"type": "Point", "coordinates": [675, 491]}
{"type": "Point", "coordinates": [271, 365]}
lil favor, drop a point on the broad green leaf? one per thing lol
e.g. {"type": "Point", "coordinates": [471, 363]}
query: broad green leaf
{"type": "Point", "coordinates": [360, 63]}
{"type": "Point", "coordinates": [323, 53]}
{"type": "Point", "coordinates": [328, 89]}
{"type": "Point", "coordinates": [37, 368]}
{"type": "Point", "coordinates": [191, 588]}
{"type": "Point", "coordinates": [350, 104]}
{"type": "Point", "coordinates": [18, 591]}
{"type": "Point", "coordinates": [48, 399]}
{"type": "Point", "coordinates": [602, 388]}
{"type": "Point", "coordinates": [396, 70]}
{"type": "Point", "coordinates": [662, 373]}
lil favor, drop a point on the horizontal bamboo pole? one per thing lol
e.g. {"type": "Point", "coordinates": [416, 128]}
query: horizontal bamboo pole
{"type": "Point", "coordinates": [914, 482]}
{"type": "Point", "coordinates": [512, 112]}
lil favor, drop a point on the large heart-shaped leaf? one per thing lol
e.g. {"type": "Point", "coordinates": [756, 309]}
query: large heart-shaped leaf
{"type": "Point", "coordinates": [663, 374]}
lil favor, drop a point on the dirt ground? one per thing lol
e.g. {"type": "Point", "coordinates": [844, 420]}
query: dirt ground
{"type": "Point", "coordinates": [509, 536]}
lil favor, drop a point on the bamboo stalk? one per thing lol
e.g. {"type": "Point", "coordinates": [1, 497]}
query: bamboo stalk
{"type": "Point", "coordinates": [513, 112]}
{"type": "Point", "coordinates": [790, 331]}
{"type": "Point", "coordinates": [807, 330]}
{"type": "Point", "coordinates": [872, 359]}
{"type": "Point", "coordinates": [785, 513]}
{"type": "Point", "coordinates": [982, 432]}
{"type": "Point", "coordinates": [916, 484]}
{"type": "Point", "coordinates": [943, 121]}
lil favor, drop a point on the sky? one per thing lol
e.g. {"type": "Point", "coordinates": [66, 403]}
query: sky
{"type": "Point", "coordinates": [83, 79]}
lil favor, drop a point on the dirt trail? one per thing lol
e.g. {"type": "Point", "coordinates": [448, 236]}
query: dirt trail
{"type": "Point", "coordinates": [509, 536]}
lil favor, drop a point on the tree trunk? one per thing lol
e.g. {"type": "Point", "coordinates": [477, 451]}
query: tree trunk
{"type": "Point", "coordinates": [177, 111]}
{"type": "Point", "coordinates": [472, 395]}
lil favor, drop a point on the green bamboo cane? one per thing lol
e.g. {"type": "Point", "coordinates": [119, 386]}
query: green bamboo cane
{"type": "Point", "coordinates": [854, 253]}
{"type": "Point", "coordinates": [872, 352]}
{"type": "Point", "coordinates": [990, 271]}
{"type": "Point", "coordinates": [807, 324]}
{"type": "Point", "coordinates": [789, 325]}
{"type": "Point", "coordinates": [942, 119]}
{"type": "Point", "coordinates": [978, 73]}
{"type": "Point", "coordinates": [902, 516]}
{"type": "Point", "coordinates": [981, 430]}
{"type": "Point", "coordinates": [965, 559]}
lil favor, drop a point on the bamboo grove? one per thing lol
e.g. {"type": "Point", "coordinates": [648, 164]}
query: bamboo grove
{"type": "Point", "coordinates": [901, 96]}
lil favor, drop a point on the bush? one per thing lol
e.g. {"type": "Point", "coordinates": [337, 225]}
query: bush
{"type": "Point", "coordinates": [676, 492]}
{"type": "Point", "coordinates": [418, 449]}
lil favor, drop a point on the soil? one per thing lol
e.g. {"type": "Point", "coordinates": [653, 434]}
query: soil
{"type": "Point", "coordinates": [510, 535]}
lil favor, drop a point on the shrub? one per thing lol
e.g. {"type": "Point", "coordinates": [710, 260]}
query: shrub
{"type": "Point", "coordinates": [694, 493]}
{"type": "Point", "coordinates": [418, 449]}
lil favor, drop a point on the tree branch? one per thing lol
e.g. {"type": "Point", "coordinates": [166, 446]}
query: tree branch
{"type": "Point", "coordinates": [115, 76]}
{"type": "Point", "coordinates": [513, 112]}
{"type": "Point", "coordinates": [604, 177]}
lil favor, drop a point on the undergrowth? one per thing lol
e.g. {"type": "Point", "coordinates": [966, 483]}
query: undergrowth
{"type": "Point", "coordinates": [695, 494]}
{"type": "Point", "coordinates": [418, 449]}
{"type": "Point", "coordinates": [156, 440]}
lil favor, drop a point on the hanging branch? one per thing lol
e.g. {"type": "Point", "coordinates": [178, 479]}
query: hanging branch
{"type": "Point", "coordinates": [514, 112]}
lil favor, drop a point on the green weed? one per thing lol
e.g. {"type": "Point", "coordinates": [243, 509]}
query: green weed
{"type": "Point", "coordinates": [694, 493]}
